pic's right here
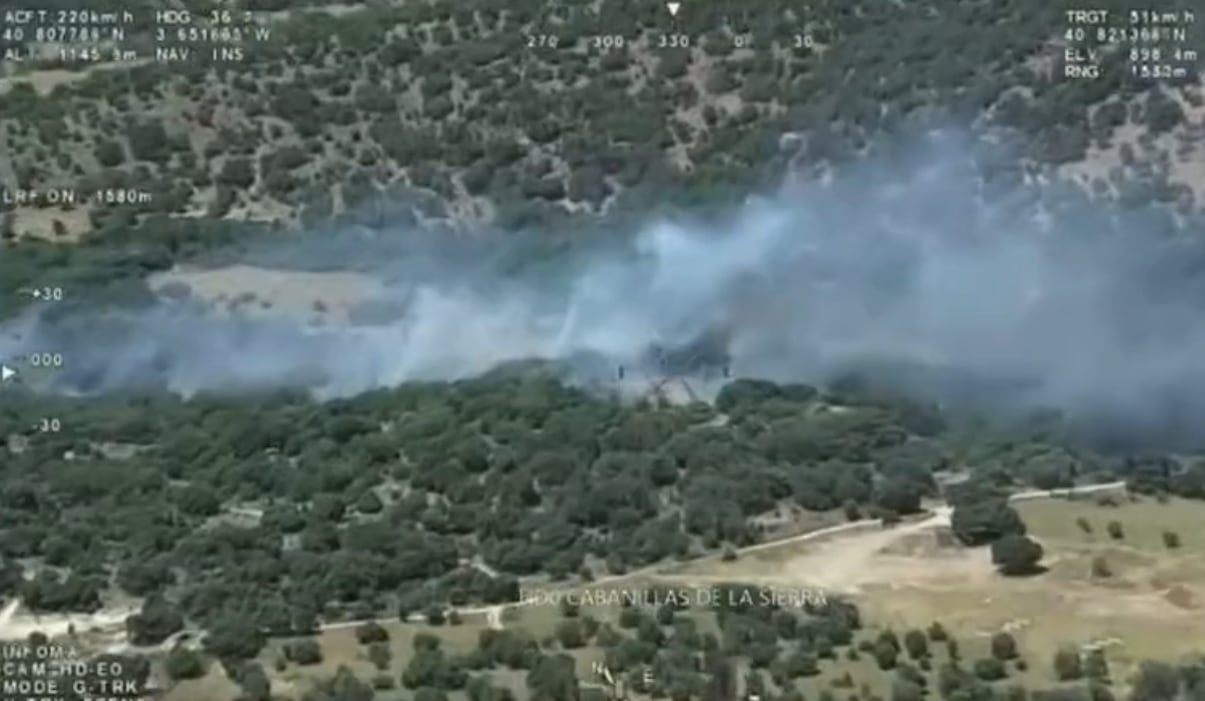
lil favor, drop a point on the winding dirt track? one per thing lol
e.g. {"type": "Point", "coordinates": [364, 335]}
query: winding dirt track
{"type": "Point", "coordinates": [843, 559]}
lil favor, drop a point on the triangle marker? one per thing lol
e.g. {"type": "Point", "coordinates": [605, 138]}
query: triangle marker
{"type": "Point", "coordinates": [673, 8]}
{"type": "Point", "coordinates": [7, 373]}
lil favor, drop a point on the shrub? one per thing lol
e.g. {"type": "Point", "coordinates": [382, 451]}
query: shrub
{"type": "Point", "coordinates": [182, 663]}
{"type": "Point", "coordinates": [371, 632]}
{"type": "Point", "coordinates": [303, 652]}
{"type": "Point", "coordinates": [237, 172]}
{"type": "Point", "coordinates": [1067, 665]}
{"type": "Point", "coordinates": [989, 669]}
{"type": "Point", "coordinates": [1004, 646]}
{"type": "Point", "coordinates": [110, 154]}
{"type": "Point", "coordinates": [1016, 555]}
{"type": "Point", "coordinates": [916, 644]}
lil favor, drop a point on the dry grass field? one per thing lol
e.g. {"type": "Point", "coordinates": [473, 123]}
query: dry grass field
{"type": "Point", "coordinates": [904, 577]}
{"type": "Point", "coordinates": [911, 576]}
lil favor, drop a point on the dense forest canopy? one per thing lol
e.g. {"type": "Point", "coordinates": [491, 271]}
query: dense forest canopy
{"type": "Point", "coordinates": [523, 472]}
{"type": "Point", "coordinates": [629, 289]}
{"type": "Point", "coordinates": [929, 286]}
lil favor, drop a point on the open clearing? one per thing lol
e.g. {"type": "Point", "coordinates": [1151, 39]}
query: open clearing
{"type": "Point", "coordinates": [295, 293]}
{"type": "Point", "coordinates": [341, 649]}
{"type": "Point", "coordinates": [906, 576]}
{"type": "Point", "coordinates": [912, 575]}
{"type": "Point", "coordinates": [103, 628]}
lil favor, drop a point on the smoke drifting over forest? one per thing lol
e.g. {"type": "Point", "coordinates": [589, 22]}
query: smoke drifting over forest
{"type": "Point", "coordinates": [906, 261]}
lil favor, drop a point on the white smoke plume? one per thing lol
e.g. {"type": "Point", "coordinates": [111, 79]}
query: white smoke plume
{"type": "Point", "coordinates": [908, 260]}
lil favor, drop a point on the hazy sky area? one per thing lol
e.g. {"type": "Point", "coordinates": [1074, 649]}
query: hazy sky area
{"type": "Point", "coordinates": [899, 261]}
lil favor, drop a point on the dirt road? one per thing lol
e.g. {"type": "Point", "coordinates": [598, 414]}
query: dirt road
{"type": "Point", "coordinates": [18, 626]}
{"type": "Point", "coordinates": [841, 557]}
{"type": "Point", "coordinates": [10, 610]}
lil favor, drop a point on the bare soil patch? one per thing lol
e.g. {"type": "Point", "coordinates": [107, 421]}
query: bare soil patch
{"type": "Point", "coordinates": [912, 575]}
{"type": "Point", "coordinates": [250, 289]}
{"type": "Point", "coordinates": [101, 628]}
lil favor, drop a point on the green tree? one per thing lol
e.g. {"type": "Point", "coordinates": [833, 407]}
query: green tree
{"type": "Point", "coordinates": [569, 633]}
{"type": "Point", "coordinates": [198, 500]}
{"type": "Point", "coordinates": [586, 184]}
{"type": "Point", "coordinates": [899, 495]}
{"type": "Point", "coordinates": [721, 683]}
{"type": "Point", "coordinates": [552, 678]}
{"type": "Point", "coordinates": [234, 638]}
{"type": "Point", "coordinates": [1016, 555]}
{"type": "Point", "coordinates": [344, 686]}
{"type": "Point", "coordinates": [182, 663]}
{"type": "Point", "coordinates": [380, 655]}
{"type": "Point", "coordinates": [154, 623]}
{"type": "Point", "coordinates": [149, 141]}
{"type": "Point", "coordinates": [1096, 667]}
{"type": "Point", "coordinates": [1156, 681]}
{"type": "Point", "coordinates": [254, 682]}
{"type": "Point", "coordinates": [916, 644]}
{"type": "Point", "coordinates": [371, 632]}
{"type": "Point", "coordinates": [802, 662]}
{"type": "Point", "coordinates": [110, 153]}
{"type": "Point", "coordinates": [1004, 646]}
{"type": "Point", "coordinates": [989, 669]}
{"type": "Point", "coordinates": [368, 503]}
{"type": "Point", "coordinates": [885, 654]}
{"type": "Point", "coordinates": [937, 632]}
{"type": "Point", "coordinates": [1068, 665]}
{"type": "Point", "coordinates": [1162, 112]}
{"type": "Point", "coordinates": [237, 172]}
{"type": "Point", "coordinates": [304, 652]}
{"type": "Point", "coordinates": [983, 521]}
